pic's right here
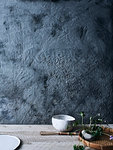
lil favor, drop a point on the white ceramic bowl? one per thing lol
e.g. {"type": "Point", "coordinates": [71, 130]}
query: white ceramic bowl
{"type": "Point", "coordinates": [63, 122]}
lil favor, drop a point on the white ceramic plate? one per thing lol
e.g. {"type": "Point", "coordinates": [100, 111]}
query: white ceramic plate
{"type": "Point", "coordinates": [8, 142]}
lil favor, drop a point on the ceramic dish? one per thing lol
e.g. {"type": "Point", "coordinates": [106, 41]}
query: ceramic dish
{"type": "Point", "coordinates": [63, 122]}
{"type": "Point", "coordinates": [8, 142]}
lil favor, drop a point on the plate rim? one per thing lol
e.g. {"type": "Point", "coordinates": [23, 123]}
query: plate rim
{"type": "Point", "coordinates": [19, 141]}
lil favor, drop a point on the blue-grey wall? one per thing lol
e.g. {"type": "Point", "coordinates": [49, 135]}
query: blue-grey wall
{"type": "Point", "coordinates": [55, 57]}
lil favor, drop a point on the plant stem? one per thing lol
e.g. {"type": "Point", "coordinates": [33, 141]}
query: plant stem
{"type": "Point", "coordinates": [90, 121]}
{"type": "Point", "coordinates": [105, 134]}
{"type": "Point", "coordinates": [82, 120]}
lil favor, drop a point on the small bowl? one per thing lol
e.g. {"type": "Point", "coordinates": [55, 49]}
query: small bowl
{"type": "Point", "coordinates": [63, 122]}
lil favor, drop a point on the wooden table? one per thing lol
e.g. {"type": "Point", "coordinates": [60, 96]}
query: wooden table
{"type": "Point", "coordinates": [32, 140]}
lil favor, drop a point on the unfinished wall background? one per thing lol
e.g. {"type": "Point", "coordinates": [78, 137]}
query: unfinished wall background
{"type": "Point", "coordinates": [55, 57]}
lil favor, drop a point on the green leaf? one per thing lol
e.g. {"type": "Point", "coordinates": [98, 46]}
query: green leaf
{"type": "Point", "coordinates": [78, 147]}
{"type": "Point", "coordinates": [75, 123]}
{"type": "Point", "coordinates": [82, 114]}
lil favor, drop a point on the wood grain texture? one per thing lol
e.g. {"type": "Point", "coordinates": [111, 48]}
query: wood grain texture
{"type": "Point", "coordinates": [32, 140]}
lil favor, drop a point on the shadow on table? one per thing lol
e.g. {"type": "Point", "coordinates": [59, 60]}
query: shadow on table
{"type": "Point", "coordinates": [21, 143]}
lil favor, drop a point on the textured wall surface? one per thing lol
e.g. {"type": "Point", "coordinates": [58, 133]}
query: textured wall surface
{"type": "Point", "coordinates": [55, 57]}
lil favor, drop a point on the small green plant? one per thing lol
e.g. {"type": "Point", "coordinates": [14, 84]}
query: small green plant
{"type": "Point", "coordinates": [82, 114]}
{"type": "Point", "coordinates": [94, 129]}
{"type": "Point", "coordinates": [95, 120]}
{"type": "Point", "coordinates": [78, 147]}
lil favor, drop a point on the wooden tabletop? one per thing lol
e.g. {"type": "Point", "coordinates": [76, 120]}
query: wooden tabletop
{"type": "Point", "coordinates": [32, 140]}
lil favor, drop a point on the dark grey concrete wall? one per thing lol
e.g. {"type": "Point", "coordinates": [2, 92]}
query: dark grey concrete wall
{"type": "Point", "coordinates": [55, 57]}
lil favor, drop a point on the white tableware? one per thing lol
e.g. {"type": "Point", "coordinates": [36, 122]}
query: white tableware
{"type": "Point", "coordinates": [63, 122]}
{"type": "Point", "coordinates": [8, 142]}
{"type": "Point", "coordinates": [86, 135]}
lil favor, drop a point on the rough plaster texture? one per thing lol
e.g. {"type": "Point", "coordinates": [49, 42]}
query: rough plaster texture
{"type": "Point", "coordinates": [55, 57]}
